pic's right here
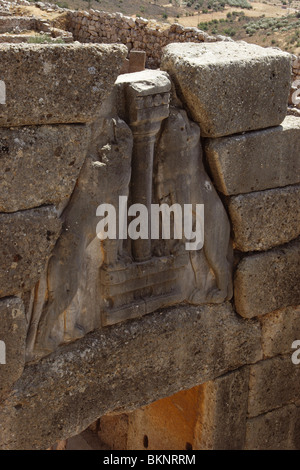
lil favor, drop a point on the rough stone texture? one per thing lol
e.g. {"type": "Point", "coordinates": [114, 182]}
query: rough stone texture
{"type": "Point", "coordinates": [279, 330]}
{"type": "Point", "coordinates": [122, 368]}
{"type": "Point", "coordinates": [137, 60]}
{"type": "Point", "coordinates": [273, 383]}
{"type": "Point", "coordinates": [106, 278]}
{"type": "Point", "coordinates": [277, 430]}
{"type": "Point", "coordinates": [265, 219]}
{"type": "Point", "coordinates": [268, 281]}
{"type": "Point", "coordinates": [258, 160]}
{"type": "Point", "coordinates": [224, 403]}
{"type": "Point", "coordinates": [40, 165]}
{"type": "Point", "coordinates": [165, 424]}
{"type": "Point", "coordinates": [230, 87]}
{"type": "Point", "coordinates": [73, 274]}
{"type": "Point", "coordinates": [26, 240]}
{"type": "Point", "coordinates": [87, 440]}
{"type": "Point", "coordinates": [13, 333]}
{"type": "Point", "coordinates": [113, 431]}
{"type": "Point", "coordinates": [50, 84]}
{"type": "Point", "coordinates": [23, 23]}
{"type": "Point", "coordinates": [141, 34]}
{"type": "Point", "coordinates": [295, 112]}
{"type": "Point", "coordinates": [145, 83]}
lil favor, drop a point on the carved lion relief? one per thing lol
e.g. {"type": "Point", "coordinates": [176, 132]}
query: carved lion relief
{"type": "Point", "coordinates": [150, 152]}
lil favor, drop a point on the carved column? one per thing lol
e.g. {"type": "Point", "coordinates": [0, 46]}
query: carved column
{"type": "Point", "coordinates": [150, 111]}
{"type": "Point", "coordinates": [146, 104]}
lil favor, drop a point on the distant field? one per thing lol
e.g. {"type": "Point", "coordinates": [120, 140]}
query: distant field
{"type": "Point", "coordinates": [267, 23]}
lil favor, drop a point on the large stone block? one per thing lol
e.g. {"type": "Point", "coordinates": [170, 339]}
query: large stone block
{"type": "Point", "coordinates": [279, 330]}
{"type": "Point", "coordinates": [257, 160]}
{"type": "Point", "coordinates": [222, 420]}
{"type": "Point", "coordinates": [265, 219]}
{"type": "Point", "coordinates": [122, 368]}
{"type": "Point", "coordinates": [273, 383]}
{"type": "Point", "coordinates": [13, 334]}
{"type": "Point", "coordinates": [230, 87]}
{"type": "Point", "coordinates": [26, 240]}
{"type": "Point", "coordinates": [268, 281]}
{"type": "Point", "coordinates": [276, 430]}
{"type": "Point", "coordinates": [40, 165]}
{"type": "Point", "coordinates": [50, 84]}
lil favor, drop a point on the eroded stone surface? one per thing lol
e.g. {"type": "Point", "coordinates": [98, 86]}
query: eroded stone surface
{"type": "Point", "coordinates": [13, 333]}
{"type": "Point", "coordinates": [276, 430]}
{"type": "Point", "coordinates": [57, 83]}
{"type": "Point", "coordinates": [213, 80]}
{"type": "Point", "coordinates": [26, 240]}
{"type": "Point", "coordinates": [73, 274]}
{"type": "Point", "coordinates": [163, 353]}
{"type": "Point", "coordinates": [273, 383]}
{"type": "Point", "coordinates": [40, 164]}
{"type": "Point", "coordinates": [265, 219]}
{"type": "Point", "coordinates": [257, 160]}
{"type": "Point", "coordinates": [268, 281]}
{"type": "Point", "coordinates": [114, 280]}
{"type": "Point", "coordinates": [145, 83]}
{"type": "Point", "coordinates": [279, 330]}
{"type": "Point", "coordinates": [222, 420]}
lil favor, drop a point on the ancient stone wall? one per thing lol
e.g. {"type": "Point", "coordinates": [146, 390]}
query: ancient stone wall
{"type": "Point", "coordinates": [18, 29]}
{"type": "Point", "coordinates": [296, 67]}
{"type": "Point", "coordinates": [11, 23]}
{"type": "Point", "coordinates": [139, 33]}
{"type": "Point", "coordinates": [96, 326]}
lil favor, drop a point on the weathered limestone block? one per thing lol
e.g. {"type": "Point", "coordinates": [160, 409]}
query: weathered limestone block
{"type": "Point", "coordinates": [187, 180]}
{"type": "Point", "coordinates": [105, 277]}
{"type": "Point", "coordinates": [276, 430]}
{"type": "Point", "coordinates": [163, 353]}
{"type": "Point", "coordinates": [221, 423]}
{"type": "Point", "coordinates": [230, 87]}
{"type": "Point", "coordinates": [50, 84]}
{"type": "Point", "coordinates": [279, 330]}
{"type": "Point", "coordinates": [268, 281]}
{"type": "Point", "coordinates": [26, 240]}
{"type": "Point", "coordinates": [262, 220]}
{"type": "Point", "coordinates": [273, 383]}
{"type": "Point", "coordinates": [257, 160]}
{"type": "Point", "coordinates": [113, 431]}
{"type": "Point", "coordinates": [137, 60]}
{"type": "Point", "coordinates": [73, 274]}
{"type": "Point", "coordinates": [13, 334]}
{"type": "Point", "coordinates": [40, 165]}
